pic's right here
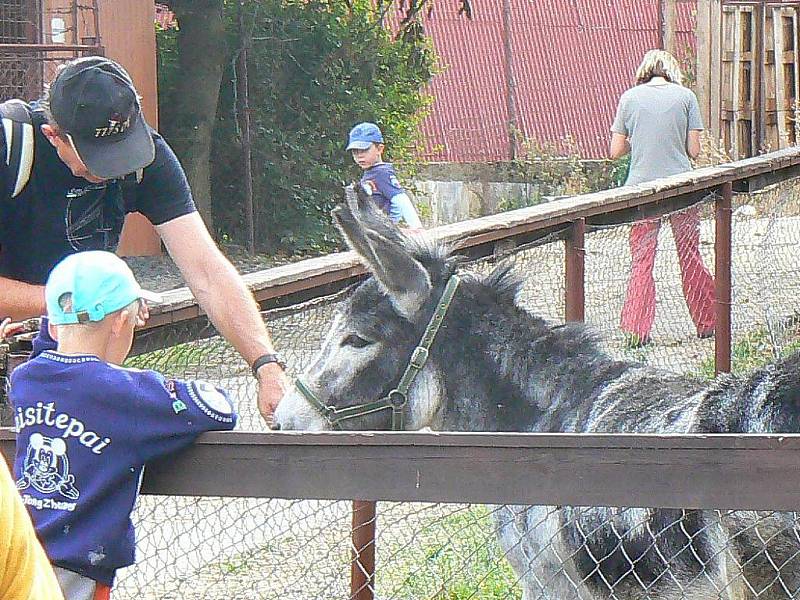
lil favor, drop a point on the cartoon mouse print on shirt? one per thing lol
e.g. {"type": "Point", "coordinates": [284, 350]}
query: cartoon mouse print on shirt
{"type": "Point", "coordinates": [47, 467]}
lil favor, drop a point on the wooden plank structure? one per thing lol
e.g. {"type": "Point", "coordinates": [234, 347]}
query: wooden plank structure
{"type": "Point", "coordinates": [748, 62]}
{"type": "Point", "coordinates": [724, 471]}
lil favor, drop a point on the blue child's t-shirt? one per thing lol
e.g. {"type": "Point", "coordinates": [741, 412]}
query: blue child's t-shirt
{"type": "Point", "coordinates": [382, 181]}
{"type": "Point", "coordinates": [85, 429]}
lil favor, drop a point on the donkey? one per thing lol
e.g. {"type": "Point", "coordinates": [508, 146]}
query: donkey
{"type": "Point", "coordinates": [421, 345]}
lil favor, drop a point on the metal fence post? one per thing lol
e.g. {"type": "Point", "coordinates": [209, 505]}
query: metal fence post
{"type": "Point", "coordinates": [362, 566]}
{"type": "Point", "coordinates": [722, 279]}
{"type": "Point", "coordinates": [574, 264]}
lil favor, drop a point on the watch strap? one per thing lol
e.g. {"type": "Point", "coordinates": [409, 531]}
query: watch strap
{"type": "Point", "coordinates": [265, 359]}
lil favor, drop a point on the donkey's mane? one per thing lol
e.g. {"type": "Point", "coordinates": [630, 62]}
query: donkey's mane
{"type": "Point", "coordinates": [498, 290]}
{"type": "Point", "coordinates": [440, 261]}
{"type": "Point", "coordinates": [504, 281]}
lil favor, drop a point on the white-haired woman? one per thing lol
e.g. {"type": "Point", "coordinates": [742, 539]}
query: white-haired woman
{"type": "Point", "coordinates": [658, 122]}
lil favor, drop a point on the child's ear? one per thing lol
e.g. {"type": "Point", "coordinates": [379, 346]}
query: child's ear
{"type": "Point", "coordinates": [121, 321]}
{"type": "Point", "coordinates": [52, 330]}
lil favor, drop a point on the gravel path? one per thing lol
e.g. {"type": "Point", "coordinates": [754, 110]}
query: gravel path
{"type": "Point", "coordinates": [159, 273]}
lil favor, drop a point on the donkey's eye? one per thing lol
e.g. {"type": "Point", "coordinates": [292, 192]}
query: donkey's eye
{"type": "Point", "coordinates": [356, 341]}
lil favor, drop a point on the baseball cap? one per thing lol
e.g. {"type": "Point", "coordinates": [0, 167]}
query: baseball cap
{"type": "Point", "coordinates": [94, 102]}
{"type": "Point", "coordinates": [100, 283]}
{"type": "Point", "coordinates": [363, 135]}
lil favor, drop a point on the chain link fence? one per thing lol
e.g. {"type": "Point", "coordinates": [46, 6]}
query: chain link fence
{"type": "Point", "coordinates": [37, 37]}
{"type": "Point", "coordinates": [265, 548]}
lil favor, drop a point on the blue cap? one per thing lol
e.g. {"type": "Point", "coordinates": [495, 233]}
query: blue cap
{"type": "Point", "coordinates": [100, 283]}
{"type": "Point", "coordinates": [363, 135]}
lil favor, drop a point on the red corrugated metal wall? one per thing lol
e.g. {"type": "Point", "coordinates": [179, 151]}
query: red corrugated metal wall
{"type": "Point", "coordinates": [572, 60]}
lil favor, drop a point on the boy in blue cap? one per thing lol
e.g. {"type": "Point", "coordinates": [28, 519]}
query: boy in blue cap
{"type": "Point", "coordinates": [379, 178]}
{"type": "Point", "coordinates": [86, 426]}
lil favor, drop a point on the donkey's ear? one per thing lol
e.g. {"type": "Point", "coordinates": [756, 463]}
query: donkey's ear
{"type": "Point", "coordinates": [351, 227]}
{"type": "Point", "coordinates": [371, 217]}
{"type": "Point", "coordinates": [383, 250]}
{"type": "Point", "coordinates": [403, 276]}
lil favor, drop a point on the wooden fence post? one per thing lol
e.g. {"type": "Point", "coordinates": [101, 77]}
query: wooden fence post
{"type": "Point", "coordinates": [511, 82]}
{"type": "Point", "coordinates": [362, 566]}
{"type": "Point", "coordinates": [574, 266]}
{"type": "Point", "coordinates": [243, 109]}
{"type": "Point", "coordinates": [668, 20]}
{"type": "Point", "coordinates": [703, 59]}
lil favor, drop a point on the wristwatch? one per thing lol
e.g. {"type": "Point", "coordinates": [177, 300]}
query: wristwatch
{"type": "Point", "coordinates": [265, 359]}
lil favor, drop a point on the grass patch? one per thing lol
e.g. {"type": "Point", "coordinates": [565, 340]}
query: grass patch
{"type": "Point", "coordinates": [186, 358]}
{"type": "Point", "coordinates": [757, 349]}
{"type": "Point", "coordinates": [454, 558]}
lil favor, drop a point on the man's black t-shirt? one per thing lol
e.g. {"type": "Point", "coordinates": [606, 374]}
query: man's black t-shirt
{"type": "Point", "coordinates": [57, 214]}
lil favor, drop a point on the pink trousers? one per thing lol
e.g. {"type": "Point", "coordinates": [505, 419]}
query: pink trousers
{"type": "Point", "coordinates": [639, 309]}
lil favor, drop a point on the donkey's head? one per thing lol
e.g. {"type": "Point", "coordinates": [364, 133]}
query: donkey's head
{"type": "Point", "coordinates": [361, 378]}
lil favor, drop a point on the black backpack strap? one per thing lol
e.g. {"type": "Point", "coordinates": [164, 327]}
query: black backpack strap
{"type": "Point", "coordinates": [18, 132]}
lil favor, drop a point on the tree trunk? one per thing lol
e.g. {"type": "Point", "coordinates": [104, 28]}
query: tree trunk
{"type": "Point", "coordinates": [188, 117]}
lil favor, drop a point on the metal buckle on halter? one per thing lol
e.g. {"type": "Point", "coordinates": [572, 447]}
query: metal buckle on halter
{"type": "Point", "coordinates": [397, 399]}
{"type": "Point", "coordinates": [419, 357]}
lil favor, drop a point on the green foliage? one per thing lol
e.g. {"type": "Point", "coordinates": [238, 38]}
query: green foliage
{"type": "Point", "coordinates": [167, 42]}
{"type": "Point", "coordinates": [315, 68]}
{"type": "Point", "coordinates": [619, 170]}
{"type": "Point", "coordinates": [757, 349]}
{"type": "Point", "coordinates": [176, 360]}
{"type": "Point", "coordinates": [462, 560]}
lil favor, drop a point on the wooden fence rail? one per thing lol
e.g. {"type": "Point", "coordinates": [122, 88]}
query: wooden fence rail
{"type": "Point", "coordinates": [670, 471]}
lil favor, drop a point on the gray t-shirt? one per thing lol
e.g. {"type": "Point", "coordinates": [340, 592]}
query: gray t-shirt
{"type": "Point", "coordinates": [657, 120]}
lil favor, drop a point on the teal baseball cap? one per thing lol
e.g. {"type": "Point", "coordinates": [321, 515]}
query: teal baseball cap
{"type": "Point", "coordinates": [363, 135]}
{"type": "Point", "coordinates": [99, 283]}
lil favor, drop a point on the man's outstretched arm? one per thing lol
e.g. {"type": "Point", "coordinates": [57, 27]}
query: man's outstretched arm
{"type": "Point", "coordinates": [20, 300]}
{"type": "Point", "coordinates": [222, 294]}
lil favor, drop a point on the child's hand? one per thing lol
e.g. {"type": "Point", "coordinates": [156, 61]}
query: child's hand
{"type": "Point", "coordinates": [7, 328]}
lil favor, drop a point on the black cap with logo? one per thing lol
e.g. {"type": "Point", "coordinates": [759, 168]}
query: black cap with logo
{"type": "Point", "coordinates": [94, 102]}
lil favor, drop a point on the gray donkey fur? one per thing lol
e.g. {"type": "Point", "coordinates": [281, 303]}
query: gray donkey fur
{"type": "Point", "coordinates": [496, 367]}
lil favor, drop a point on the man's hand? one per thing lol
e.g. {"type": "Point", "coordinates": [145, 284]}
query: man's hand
{"type": "Point", "coordinates": [143, 314]}
{"type": "Point", "coordinates": [272, 385]}
{"type": "Point", "coordinates": [7, 328]}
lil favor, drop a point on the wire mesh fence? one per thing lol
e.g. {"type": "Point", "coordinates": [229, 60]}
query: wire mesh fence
{"type": "Point", "coordinates": [37, 37]}
{"type": "Point", "coordinates": [265, 548]}
{"type": "Point", "coordinates": [237, 548]}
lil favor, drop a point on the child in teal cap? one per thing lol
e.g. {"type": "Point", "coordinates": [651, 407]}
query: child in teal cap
{"type": "Point", "coordinates": [86, 425]}
{"type": "Point", "coordinates": [379, 178]}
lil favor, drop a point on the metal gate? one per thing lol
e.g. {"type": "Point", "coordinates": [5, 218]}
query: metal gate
{"type": "Point", "coordinates": [37, 35]}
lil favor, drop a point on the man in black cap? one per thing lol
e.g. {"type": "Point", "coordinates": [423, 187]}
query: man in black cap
{"type": "Point", "coordinates": [85, 158]}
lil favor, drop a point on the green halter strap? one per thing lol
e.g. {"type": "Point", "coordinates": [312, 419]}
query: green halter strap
{"type": "Point", "coordinates": [398, 397]}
